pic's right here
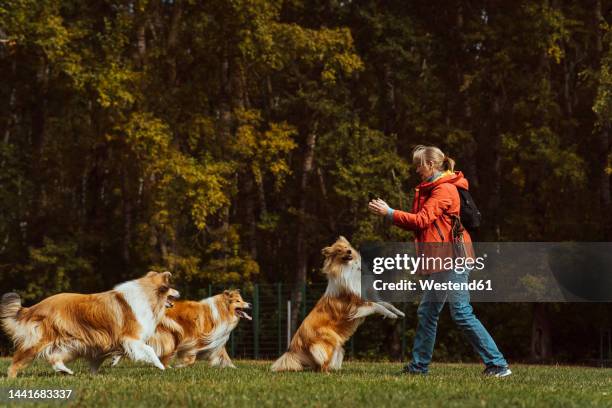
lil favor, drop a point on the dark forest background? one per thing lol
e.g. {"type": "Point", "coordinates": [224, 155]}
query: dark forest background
{"type": "Point", "coordinates": [229, 141]}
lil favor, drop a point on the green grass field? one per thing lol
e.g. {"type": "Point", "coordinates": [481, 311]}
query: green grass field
{"type": "Point", "coordinates": [358, 384]}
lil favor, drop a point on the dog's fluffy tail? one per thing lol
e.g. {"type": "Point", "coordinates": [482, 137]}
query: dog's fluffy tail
{"type": "Point", "coordinates": [288, 362]}
{"type": "Point", "coordinates": [10, 305]}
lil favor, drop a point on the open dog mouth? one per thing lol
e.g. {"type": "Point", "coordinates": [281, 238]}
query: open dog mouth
{"type": "Point", "coordinates": [347, 257]}
{"type": "Point", "coordinates": [242, 314]}
{"type": "Point", "coordinates": [170, 301]}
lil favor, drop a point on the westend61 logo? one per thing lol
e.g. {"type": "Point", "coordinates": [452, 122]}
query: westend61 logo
{"type": "Point", "coordinates": [413, 264]}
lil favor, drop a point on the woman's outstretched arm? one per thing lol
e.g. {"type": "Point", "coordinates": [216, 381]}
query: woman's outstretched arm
{"type": "Point", "coordinates": [434, 206]}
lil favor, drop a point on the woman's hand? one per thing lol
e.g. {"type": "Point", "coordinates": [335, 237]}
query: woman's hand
{"type": "Point", "coordinates": [378, 207]}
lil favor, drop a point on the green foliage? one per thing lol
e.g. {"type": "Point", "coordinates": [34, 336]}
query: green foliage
{"type": "Point", "coordinates": [53, 268]}
{"type": "Point", "coordinates": [178, 181]}
{"type": "Point", "coordinates": [265, 151]}
{"type": "Point", "coordinates": [362, 161]}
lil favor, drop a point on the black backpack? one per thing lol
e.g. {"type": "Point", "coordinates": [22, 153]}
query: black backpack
{"type": "Point", "coordinates": [469, 214]}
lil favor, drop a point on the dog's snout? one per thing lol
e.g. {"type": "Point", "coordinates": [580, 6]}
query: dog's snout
{"type": "Point", "coordinates": [175, 293]}
{"type": "Point", "coordinates": [348, 251]}
{"type": "Point", "coordinates": [248, 305]}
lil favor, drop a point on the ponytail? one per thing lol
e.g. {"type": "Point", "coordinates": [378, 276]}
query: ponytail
{"type": "Point", "coordinates": [423, 154]}
{"type": "Point", "coordinates": [448, 164]}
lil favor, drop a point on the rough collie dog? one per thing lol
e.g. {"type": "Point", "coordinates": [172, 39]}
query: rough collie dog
{"type": "Point", "coordinates": [70, 325]}
{"type": "Point", "coordinates": [319, 339]}
{"type": "Point", "coordinates": [199, 330]}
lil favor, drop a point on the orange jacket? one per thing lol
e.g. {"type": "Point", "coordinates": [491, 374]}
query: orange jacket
{"type": "Point", "coordinates": [434, 203]}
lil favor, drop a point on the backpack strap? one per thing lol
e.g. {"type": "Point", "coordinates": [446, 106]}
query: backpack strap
{"type": "Point", "coordinates": [457, 237]}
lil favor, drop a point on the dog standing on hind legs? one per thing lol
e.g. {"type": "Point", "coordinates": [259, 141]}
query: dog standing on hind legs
{"type": "Point", "coordinates": [318, 342]}
{"type": "Point", "coordinates": [66, 326]}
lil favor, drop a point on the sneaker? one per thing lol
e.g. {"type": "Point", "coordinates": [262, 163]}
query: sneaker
{"type": "Point", "coordinates": [496, 371]}
{"type": "Point", "coordinates": [411, 371]}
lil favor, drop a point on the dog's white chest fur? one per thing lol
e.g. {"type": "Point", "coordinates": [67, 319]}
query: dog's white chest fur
{"type": "Point", "coordinates": [135, 297]}
{"type": "Point", "coordinates": [349, 280]}
{"type": "Point", "coordinates": [222, 328]}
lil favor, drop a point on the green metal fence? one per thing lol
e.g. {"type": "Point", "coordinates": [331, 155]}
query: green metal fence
{"type": "Point", "coordinates": [266, 336]}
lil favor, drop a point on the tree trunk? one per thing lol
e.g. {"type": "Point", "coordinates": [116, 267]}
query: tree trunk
{"type": "Point", "coordinates": [332, 220]}
{"type": "Point", "coordinates": [175, 21]}
{"type": "Point", "coordinates": [301, 252]}
{"type": "Point", "coordinates": [496, 173]}
{"type": "Point", "coordinates": [141, 38]}
{"type": "Point", "coordinates": [606, 196]}
{"type": "Point", "coordinates": [464, 109]}
{"type": "Point", "coordinates": [12, 121]}
{"type": "Point", "coordinates": [38, 117]}
{"type": "Point", "coordinates": [489, 163]}
{"type": "Point", "coordinates": [541, 340]}
{"type": "Point", "coordinates": [251, 222]}
{"type": "Point", "coordinates": [127, 217]}
{"type": "Point", "coordinates": [389, 109]}
{"type": "Point", "coordinates": [605, 192]}
{"type": "Point", "coordinates": [261, 194]}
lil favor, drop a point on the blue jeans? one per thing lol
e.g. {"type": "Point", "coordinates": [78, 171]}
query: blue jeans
{"type": "Point", "coordinates": [462, 314]}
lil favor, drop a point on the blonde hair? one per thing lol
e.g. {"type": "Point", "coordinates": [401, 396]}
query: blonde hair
{"type": "Point", "coordinates": [424, 154]}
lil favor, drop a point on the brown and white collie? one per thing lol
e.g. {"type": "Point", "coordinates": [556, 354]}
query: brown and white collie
{"type": "Point", "coordinates": [70, 325]}
{"type": "Point", "coordinates": [199, 330]}
{"type": "Point", "coordinates": [318, 342]}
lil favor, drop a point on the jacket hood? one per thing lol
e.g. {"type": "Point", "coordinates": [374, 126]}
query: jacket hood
{"type": "Point", "coordinates": [455, 178]}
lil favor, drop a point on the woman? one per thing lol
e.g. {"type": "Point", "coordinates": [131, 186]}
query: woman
{"type": "Point", "coordinates": [436, 203]}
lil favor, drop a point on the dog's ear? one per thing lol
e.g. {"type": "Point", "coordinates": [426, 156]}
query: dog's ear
{"type": "Point", "coordinates": [150, 273]}
{"type": "Point", "coordinates": [167, 275]}
{"type": "Point", "coordinates": [327, 251]}
{"type": "Point", "coordinates": [227, 293]}
{"type": "Point", "coordinates": [341, 238]}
